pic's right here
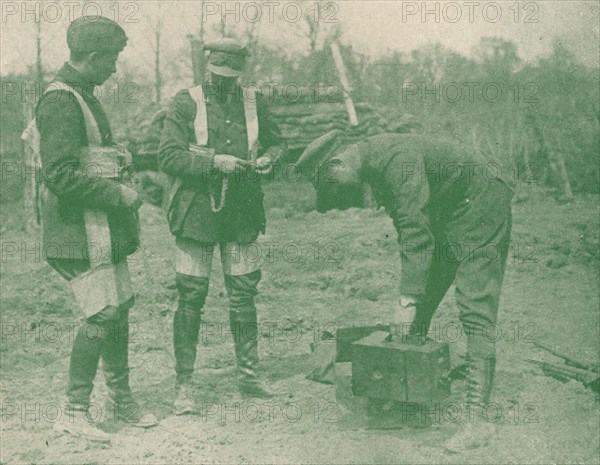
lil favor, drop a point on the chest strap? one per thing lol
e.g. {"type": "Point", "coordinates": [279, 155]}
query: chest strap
{"type": "Point", "coordinates": [250, 113]}
{"type": "Point", "coordinates": [201, 132]}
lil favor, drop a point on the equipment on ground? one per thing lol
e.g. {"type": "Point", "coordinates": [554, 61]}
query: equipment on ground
{"type": "Point", "coordinates": [388, 369]}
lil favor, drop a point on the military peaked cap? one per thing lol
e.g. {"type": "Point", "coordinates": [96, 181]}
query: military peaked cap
{"type": "Point", "coordinates": [227, 57]}
{"type": "Point", "coordinates": [227, 45]}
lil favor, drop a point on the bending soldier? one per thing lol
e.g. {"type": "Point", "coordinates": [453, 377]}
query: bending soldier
{"type": "Point", "coordinates": [89, 222]}
{"type": "Point", "coordinates": [210, 143]}
{"type": "Point", "coordinates": [441, 201]}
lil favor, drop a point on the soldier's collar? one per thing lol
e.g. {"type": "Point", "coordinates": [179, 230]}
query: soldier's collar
{"type": "Point", "coordinates": [74, 79]}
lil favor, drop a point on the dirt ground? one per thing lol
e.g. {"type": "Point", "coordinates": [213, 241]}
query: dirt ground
{"type": "Point", "coordinates": [321, 271]}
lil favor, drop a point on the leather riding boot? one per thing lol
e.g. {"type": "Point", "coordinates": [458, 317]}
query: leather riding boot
{"type": "Point", "coordinates": [85, 356]}
{"type": "Point", "coordinates": [479, 430]}
{"type": "Point", "coordinates": [244, 327]}
{"type": "Point", "coordinates": [115, 361]}
{"type": "Point", "coordinates": [243, 324]}
{"type": "Point", "coordinates": [115, 357]}
{"type": "Point", "coordinates": [186, 326]}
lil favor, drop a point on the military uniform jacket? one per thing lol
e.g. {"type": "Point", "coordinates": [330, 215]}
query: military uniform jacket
{"type": "Point", "coordinates": [190, 213]}
{"type": "Point", "coordinates": [435, 192]}
{"type": "Point", "coordinates": [71, 187]}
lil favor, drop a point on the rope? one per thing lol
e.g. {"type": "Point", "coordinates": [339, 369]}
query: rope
{"type": "Point", "coordinates": [224, 187]}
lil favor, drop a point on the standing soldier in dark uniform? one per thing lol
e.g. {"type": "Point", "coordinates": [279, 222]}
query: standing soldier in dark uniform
{"type": "Point", "coordinates": [89, 222]}
{"type": "Point", "coordinates": [453, 217]}
{"type": "Point", "coordinates": [211, 141]}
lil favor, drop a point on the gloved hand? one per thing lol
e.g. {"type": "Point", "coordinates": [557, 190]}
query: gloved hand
{"type": "Point", "coordinates": [228, 164]}
{"type": "Point", "coordinates": [131, 199]}
{"type": "Point", "coordinates": [403, 317]}
{"type": "Point", "coordinates": [264, 165]}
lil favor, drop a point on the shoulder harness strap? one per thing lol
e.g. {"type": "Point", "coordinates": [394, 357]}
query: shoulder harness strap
{"type": "Point", "coordinates": [251, 121]}
{"type": "Point", "coordinates": [201, 121]}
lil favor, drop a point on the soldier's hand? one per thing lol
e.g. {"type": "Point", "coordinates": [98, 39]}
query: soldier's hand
{"type": "Point", "coordinates": [131, 199]}
{"type": "Point", "coordinates": [264, 165]}
{"type": "Point", "coordinates": [404, 317]}
{"type": "Point", "coordinates": [228, 164]}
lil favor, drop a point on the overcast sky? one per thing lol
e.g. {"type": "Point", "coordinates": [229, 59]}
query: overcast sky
{"type": "Point", "coordinates": [372, 27]}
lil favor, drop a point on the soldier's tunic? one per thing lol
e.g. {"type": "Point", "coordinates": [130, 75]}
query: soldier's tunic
{"type": "Point", "coordinates": [190, 213]}
{"type": "Point", "coordinates": [72, 187]}
{"type": "Point", "coordinates": [453, 217]}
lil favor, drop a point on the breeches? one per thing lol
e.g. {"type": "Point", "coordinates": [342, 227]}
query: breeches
{"type": "Point", "coordinates": [478, 272]}
{"type": "Point", "coordinates": [195, 258]}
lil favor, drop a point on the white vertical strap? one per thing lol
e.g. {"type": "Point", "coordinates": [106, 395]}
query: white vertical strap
{"type": "Point", "coordinates": [251, 122]}
{"type": "Point", "coordinates": [96, 222]}
{"type": "Point", "coordinates": [93, 132]}
{"type": "Point", "coordinates": [98, 236]}
{"type": "Point", "coordinates": [201, 121]}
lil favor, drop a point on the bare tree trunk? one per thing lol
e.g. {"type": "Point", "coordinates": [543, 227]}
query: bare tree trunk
{"type": "Point", "coordinates": [197, 51]}
{"type": "Point", "coordinates": [201, 57]}
{"type": "Point", "coordinates": [158, 79]}
{"type": "Point", "coordinates": [564, 176]}
{"type": "Point", "coordinates": [39, 69]}
{"type": "Point", "coordinates": [157, 72]}
{"type": "Point", "coordinates": [31, 187]}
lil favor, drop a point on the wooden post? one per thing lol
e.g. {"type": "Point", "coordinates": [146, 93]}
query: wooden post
{"type": "Point", "coordinates": [339, 64]}
{"type": "Point", "coordinates": [564, 176]}
{"type": "Point", "coordinates": [555, 157]}
{"type": "Point", "coordinates": [30, 185]}
{"type": "Point", "coordinates": [39, 69]}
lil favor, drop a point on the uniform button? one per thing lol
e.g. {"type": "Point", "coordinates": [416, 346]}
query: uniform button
{"type": "Point", "coordinates": [227, 121]}
{"type": "Point", "coordinates": [228, 141]}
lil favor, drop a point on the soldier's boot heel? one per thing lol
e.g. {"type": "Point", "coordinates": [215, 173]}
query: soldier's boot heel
{"type": "Point", "coordinates": [479, 431]}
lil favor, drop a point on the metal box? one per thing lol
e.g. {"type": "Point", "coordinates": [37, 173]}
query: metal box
{"type": "Point", "coordinates": [351, 409]}
{"type": "Point", "coordinates": [346, 336]}
{"type": "Point", "coordinates": [394, 370]}
{"type": "Point", "coordinates": [357, 412]}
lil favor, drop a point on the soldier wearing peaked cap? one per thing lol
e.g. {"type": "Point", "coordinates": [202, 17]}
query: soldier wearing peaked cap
{"type": "Point", "coordinates": [89, 221]}
{"type": "Point", "coordinates": [227, 57]}
{"type": "Point", "coordinates": [217, 141]}
{"type": "Point", "coordinates": [441, 200]}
